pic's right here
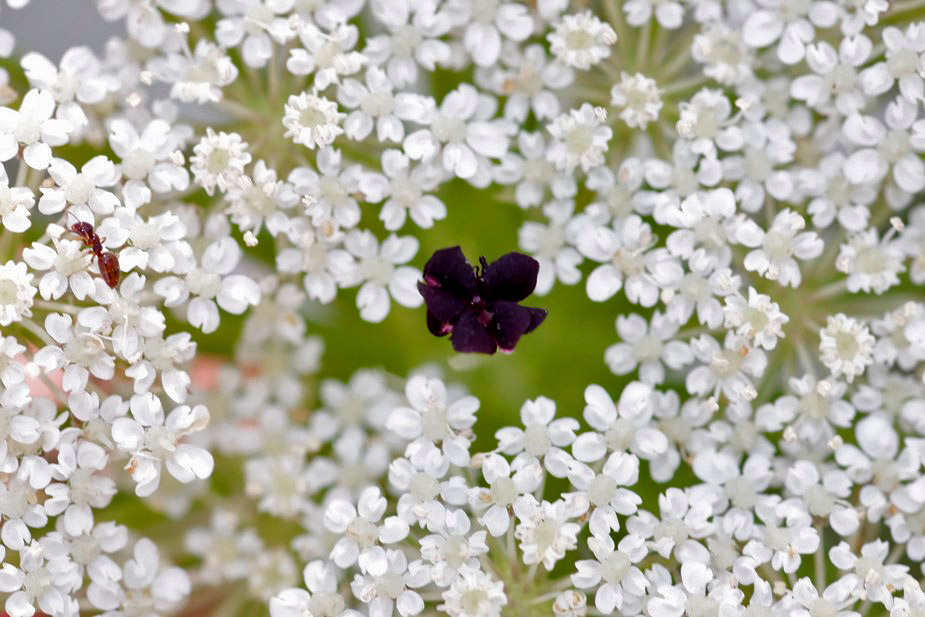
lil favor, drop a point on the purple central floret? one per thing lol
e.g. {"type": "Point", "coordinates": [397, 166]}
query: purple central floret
{"type": "Point", "coordinates": [478, 306]}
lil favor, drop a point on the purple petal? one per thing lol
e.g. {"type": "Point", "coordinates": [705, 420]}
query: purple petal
{"type": "Point", "coordinates": [537, 315]}
{"type": "Point", "coordinates": [471, 336]}
{"type": "Point", "coordinates": [509, 323]}
{"type": "Point", "coordinates": [511, 277]}
{"type": "Point", "coordinates": [442, 304]}
{"type": "Point", "coordinates": [448, 269]}
{"type": "Point", "coordinates": [437, 327]}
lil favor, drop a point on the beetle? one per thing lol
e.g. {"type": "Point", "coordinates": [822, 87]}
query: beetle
{"type": "Point", "coordinates": [107, 261]}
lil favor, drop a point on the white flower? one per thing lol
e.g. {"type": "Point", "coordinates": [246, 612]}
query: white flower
{"type": "Point", "coordinates": [549, 245]}
{"type": "Point", "coordinates": [405, 191]}
{"type": "Point", "coordinates": [727, 370]}
{"type": "Point", "coordinates": [360, 527]}
{"type": "Point", "coordinates": [218, 160]}
{"type": "Point", "coordinates": [626, 426]}
{"type": "Point", "coordinates": [705, 121]}
{"type": "Point", "coordinates": [813, 409]}
{"type": "Point", "coordinates": [325, 266]}
{"type": "Point", "coordinates": [824, 496]}
{"type": "Point", "coordinates": [846, 346]}
{"type": "Point", "coordinates": [835, 76]}
{"type": "Point", "coordinates": [254, 25]}
{"type": "Point", "coordinates": [758, 318]}
{"type": "Point", "coordinates": [80, 487]}
{"type": "Point", "coordinates": [312, 120]}
{"type": "Point", "coordinates": [648, 346]}
{"type": "Point", "coordinates": [16, 292]}
{"type": "Point", "coordinates": [780, 247]}
{"type": "Point", "coordinates": [580, 138]}
{"type": "Point", "coordinates": [260, 198]}
{"type": "Point", "coordinates": [528, 78]}
{"type": "Point", "coordinates": [379, 273]}
{"type": "Point", "coordinates": [454, 547]}
{"type": "Point", "coordinates": [329, 192]}
{"type": "Point", "coordinates": [581, 40]}
{"type": "Point", "coordinates": [326, 55]}
{"type": "Point", "coordinates": [321, 596]}
{"type": "Point", "coordinates": [836, 194]}
{"type": "Point", "coordinates": [903, 59]}
{"type": "Point", "coordinates": [506, 483]}
{"type": "Point", "coordinates": [544, 529]}
{"type": "Point", "coordinates": [196, 77]}
{"type": "Point", "coordinates": [145, 22]}
{"type": "Point", "coordinates": [726, 55]}
{"type": "Point", "coordinates": [760, 169]}
{"type": "Point", "coordinates": [897, 145]}
{"type": "Point", "coordinates": [20, 510]}
{"type": "Point", "coordinates": [430, 417]}
{"type": "Point", "coordinates": [413, 40]}
{"type": "Point", "coordinates": [834, 600]}
{"type": "Point", "coordinates": [786, 534]}
{"type": "Point", "coordinates": [280, 483]}
{"type": "Point", "coordinates": [486, 22]}
{"type": "Point", "coordinates": [33, 128]}
{"type": "Point", "coordinates": [211, 283]}
{"type": "Point", "coordinates": [226, 548]}
{"type": "Point", "coordinates": [533, 173]}
{"type": "Point", "coordinates": [80, 80]}
{"type": "Point", "coordinates": [794, 28]}
{"type": "Point", "coordinates": [668, 14]}
{"type": "Point", "coordinates": [147, 163]}
{"type": "Point", "coordinates": [624, 252]}
{"type": "Point", "coordinates": [15, 204]}
{"type": "Point", "coordinates": [543, 436]}
{"type": "Point", "coordinates": [620, 584]}
{"type": "Point", "coordinates": [374, 105]}
{"type": "Point", "coordinates": [144, 585]}
{"type": "Point", "coordinates": [418, 476]}
{"type": "Point", "coordinates": [83, 188]}
{"type": "Point", "coordinates": [871, 264]}
{"type": "Point", "coordinates": [461, 133]}
{"type": "Point", "coordinates": [639, 97]}
{"type": "Point", "coordinates": [152, 439]}
{"type": "Point", "coordinates": [80, 355]}
{"type": "Point", "coordinates": [474, 594]}
{"type": "Point", "coordinates": [155, 243]}
{"type": "Point", "coordinates": [34, 585]}
{"type": "Point", "coordinates": [605, 492]}
{"type": "Point", "coordinates": [386, 583]}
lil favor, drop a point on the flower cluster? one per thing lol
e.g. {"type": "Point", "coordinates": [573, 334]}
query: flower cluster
{"type": "Point", "coordinates": [186, 209]}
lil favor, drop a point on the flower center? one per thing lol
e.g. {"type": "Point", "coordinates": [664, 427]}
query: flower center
{"type": "Point", "coordinates": [362, 532]}
{"type": "Point", "coordinates": [777, 245]}
{"type": "Point", "coordinates": [137, 164]}
{"type": "Point", "coordinates": [579, 40]}
{"type": "Point", "coordinates": [503, 491]}
{"type": "Point", "coordinates": [80, 190]}
{"type": "Point", "coordinates": [602, 490]}
{"type": "Point", "coordinates": [579, 139]}
{"type": "Point", "coordinates": [448, 129]}
{"type": "Point", "coordinates": [8, 291]}
{"type": "Point", "coordinates": [614, 567]}
{"type": "Point", "coordinates": [536, 439]}
{"type": "Point", "coordinates": [484, 10]}
{"type": "Point", "coordinates": [423, 486]}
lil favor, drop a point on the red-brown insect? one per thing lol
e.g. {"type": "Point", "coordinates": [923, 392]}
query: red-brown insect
{"type": "Point", "coordinates": [107, 261]}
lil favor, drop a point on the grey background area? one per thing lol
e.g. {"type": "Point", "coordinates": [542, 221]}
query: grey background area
{"type": "Point", "coordinates": [53, 26]}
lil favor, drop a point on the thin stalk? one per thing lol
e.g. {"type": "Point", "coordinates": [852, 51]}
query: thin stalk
{"type": "Point", "coordinates": [903, 11]}
{"type": "Point", "coordinates": [641, 53]}
{"type": "Point", "coordinates": [820, 558]}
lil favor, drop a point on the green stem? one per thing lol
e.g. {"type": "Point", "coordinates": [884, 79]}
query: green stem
{"type": "Point", "coordinates": [903, 12]}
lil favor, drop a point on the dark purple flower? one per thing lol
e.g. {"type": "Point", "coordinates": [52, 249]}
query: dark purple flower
{"type": "Point", "coordinates": [479, 309]}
